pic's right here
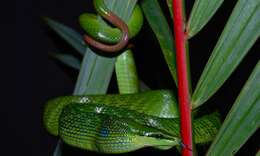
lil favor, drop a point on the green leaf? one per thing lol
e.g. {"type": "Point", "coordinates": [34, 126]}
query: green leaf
{"type": "Point", "coordinates": [95, 74]}
{"type": "Point", "coordinates": [239, 35]}
{"type": "Point", "coordinates": [201, 13]}
{"type": "Point", "coordinates": [160, 27]}
{"type": "Point", "coordinates": [242, 120]}
{"type": "Point", "coordinates": [58, 149]}
{"type": "Point", "coordinates": [68, 34]}
{"type": "Point", "coordinates": [169, 4]}
{"type": "Point", "coordinates": [68, 60]}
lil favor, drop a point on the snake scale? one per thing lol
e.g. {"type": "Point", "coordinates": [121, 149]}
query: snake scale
{"type": "Point", "coordinates": [120, 123]}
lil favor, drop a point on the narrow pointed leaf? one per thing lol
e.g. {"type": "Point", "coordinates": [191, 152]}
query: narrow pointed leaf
{"type": "Point", "coordinates": [239, 35]}
{"type": "Point", "coordinates": [68, 34]}
{"type": "Point", "coordinates": [68, 60]}
{"type": "Point", "coordinates": [161, 29]}
{"type": "Point", "coordinates": [201, 13]}
{"type": "Point", "coordinates": [169, 4]}
{"type": "Point", "coordinates": [58, 149]}
{"type": "Point", "coordinates": [242, 121]}
{"type": "Point", "coordinates": [96, 70]}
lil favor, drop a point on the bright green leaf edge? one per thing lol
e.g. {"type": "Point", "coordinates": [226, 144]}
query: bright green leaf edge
{"type": "Point", "coordinates": [242, 121]}
{"type": "Point", "coordinates": [239, 35]}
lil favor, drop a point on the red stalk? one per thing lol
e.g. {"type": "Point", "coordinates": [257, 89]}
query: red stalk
{"type": "Point", "coordinates": [183, 87]}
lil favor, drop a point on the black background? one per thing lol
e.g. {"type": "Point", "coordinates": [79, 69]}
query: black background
{"type": "Point", "coordinates": [29, 77]}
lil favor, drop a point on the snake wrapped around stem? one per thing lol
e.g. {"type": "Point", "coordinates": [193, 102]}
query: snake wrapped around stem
{"type": "Point", "coordinates": [120, 123]}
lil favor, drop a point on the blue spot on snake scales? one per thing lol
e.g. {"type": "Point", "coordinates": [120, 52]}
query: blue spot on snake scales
{"type": "Point", "coordinates": [104, 132]}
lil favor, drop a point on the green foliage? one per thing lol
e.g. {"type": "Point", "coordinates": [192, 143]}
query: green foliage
{"type": "Point", "coordinates": [68, 60]}
{"type": "Point", "coordinates": [169, 4]}
{"type": "Point", "coordinates": [242, 120]}
{"type": "Point", "coordinates": [95, 74]}
{"type": "Point", "coordinates": [161, 29]}
{"type": "Point", "coordinates": [68, 34]}
{"type": "Point", "coordinates": [201, 13]}
{"type": "Point", "coordinates": [239, 35]}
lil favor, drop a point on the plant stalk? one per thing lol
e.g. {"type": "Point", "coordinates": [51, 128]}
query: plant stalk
{"type": "Point", "coordinates": [182, 73]}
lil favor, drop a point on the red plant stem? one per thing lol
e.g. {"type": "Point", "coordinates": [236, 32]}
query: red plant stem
{"type": "Point", "coordinates": [182, 73]}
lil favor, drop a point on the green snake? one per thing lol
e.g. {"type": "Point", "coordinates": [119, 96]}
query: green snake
{"type": "Point", "coordinates": [120, 123]}
{"type": "Point", "coordinates": [107, 34]}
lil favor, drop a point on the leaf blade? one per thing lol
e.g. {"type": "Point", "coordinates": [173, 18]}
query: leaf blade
{"type": "Point", "coordinates": [160, 27]}
{"type": "Point", "coordinates": [68, 60]}
{"type": "Point", "coordinates": [202, 12]}
{"type": "Point", "coordinates": [68, 34]}
{"type": "Point", "coordinates": [239, 35]}
{"type": "Point", "coordinates": [95, 74]}
{"type": "Point", "coordinates": [169, 4]}
{"type": "Point", "coordinates": [242, 120]}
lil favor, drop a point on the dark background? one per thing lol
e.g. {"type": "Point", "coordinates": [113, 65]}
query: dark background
{"type": "Point", "coordinates": [30, 77]}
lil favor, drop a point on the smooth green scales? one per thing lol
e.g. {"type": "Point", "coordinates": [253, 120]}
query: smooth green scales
{"type": "Point", "coordinates": [105, 33]}
{"type": "Point", "coordinates": [122, 123]}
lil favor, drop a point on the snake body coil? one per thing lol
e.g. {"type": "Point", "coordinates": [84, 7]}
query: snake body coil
{"type": "Point", "coordinates": [101, 32]}
{"type": "Point", "coordinates": [125, 122]}
{"type": "Point", "coordinates": [122, 123]}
